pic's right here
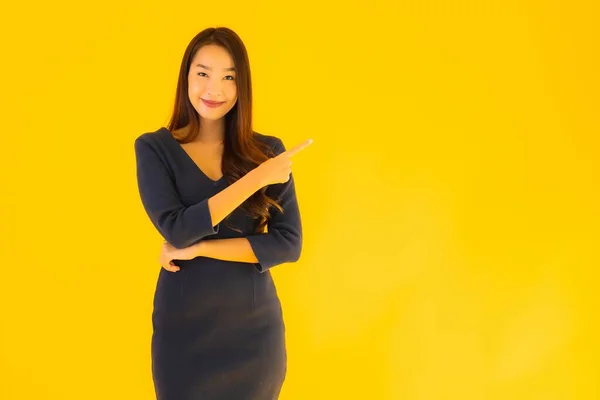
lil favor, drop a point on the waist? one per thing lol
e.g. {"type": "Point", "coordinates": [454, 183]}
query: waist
{"type": "Point", "coordinates": [213, 276]}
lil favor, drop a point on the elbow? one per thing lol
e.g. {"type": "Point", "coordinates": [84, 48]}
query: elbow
{"type": "Point", "coordinates": [295, 249]}
{"type": "Point", "coordinates": [291, 244]}
{"type": "Point", "coordinates": [177, 237]}
{"type": "Point", "coordinates": [288, 246]}
{"type": "Point", "coordinates": [174, 230]}
{"type": "Point", "coordinates": [275, 248]}
{"type": "Point", "coordinates": [176, 240]}
{"type": "Point", "coordinates": [167, 225]}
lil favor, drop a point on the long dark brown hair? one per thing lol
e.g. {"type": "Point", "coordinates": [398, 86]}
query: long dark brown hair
{"type": "Point", "coordinates": [243, 151]}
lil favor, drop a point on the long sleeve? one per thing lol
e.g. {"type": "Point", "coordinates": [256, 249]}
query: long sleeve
{"type": "Point", "coordinates": [179, 225]}
{"type": "Point", "coordinates": [283, 241]}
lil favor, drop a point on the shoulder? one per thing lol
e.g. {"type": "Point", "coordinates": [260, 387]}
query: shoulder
{"type": "Point", "coordinates": [274, 142]}
{"type": "Point", "coordinates": [150, 140]}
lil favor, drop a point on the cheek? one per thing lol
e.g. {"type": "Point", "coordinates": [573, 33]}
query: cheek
{"type": "Point", "coordinates": [195, 86]}
{"type": "Point", "coordinates": [231, 92]}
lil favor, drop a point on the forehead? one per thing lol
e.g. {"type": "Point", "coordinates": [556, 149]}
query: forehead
{"type": "Point", "coordinates": [213, 56]}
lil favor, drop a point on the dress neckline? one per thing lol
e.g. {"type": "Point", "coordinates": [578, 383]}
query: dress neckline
{"type": "Point", "coordinates": [187, 156]}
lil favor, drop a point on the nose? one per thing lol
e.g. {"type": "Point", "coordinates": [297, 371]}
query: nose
{"type": "Point", "coordinates": [214, 89]}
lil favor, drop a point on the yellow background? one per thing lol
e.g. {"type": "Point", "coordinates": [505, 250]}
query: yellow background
{"type": "Point", "coordinates": [450, 200]}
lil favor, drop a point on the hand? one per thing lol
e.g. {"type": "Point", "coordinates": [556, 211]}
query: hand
{"type": "Point", "coordinates": [278, 168]}
{"type": "Point", "coordinates": [169, 253]}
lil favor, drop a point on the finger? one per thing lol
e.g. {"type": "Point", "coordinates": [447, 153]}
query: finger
{"type": "Point", "coordinates": [170, 268]}
{"type": "Point", "coordinates": [295, 150]}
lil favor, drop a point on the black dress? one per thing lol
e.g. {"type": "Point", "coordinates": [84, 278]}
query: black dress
{"type": "Point", "coordinates": [218, 330]}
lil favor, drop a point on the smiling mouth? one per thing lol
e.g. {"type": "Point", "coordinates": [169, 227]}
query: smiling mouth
{"type": "Point", "coordinates": [212, 104]}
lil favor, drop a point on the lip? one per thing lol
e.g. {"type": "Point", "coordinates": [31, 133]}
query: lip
{"type": "Point", "coordinates": [212, 104]}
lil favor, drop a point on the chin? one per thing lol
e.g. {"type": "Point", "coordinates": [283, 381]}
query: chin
{"type": "Point", "coordinates": [210, 116]}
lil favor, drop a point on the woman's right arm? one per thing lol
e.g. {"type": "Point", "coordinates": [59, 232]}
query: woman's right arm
{"type": "Point", "coordinates": [226, 201]}
{"type": "Point", "coordinates": [178, 224]}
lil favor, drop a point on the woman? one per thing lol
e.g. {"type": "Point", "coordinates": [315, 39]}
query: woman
{"type": "Point", "coordinates": [211, 186]}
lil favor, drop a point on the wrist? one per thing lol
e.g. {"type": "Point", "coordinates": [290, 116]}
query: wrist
{"type": "Point", "coordinates": [255, 179]}
{"type": "Point", "coordinates": [199, 248]}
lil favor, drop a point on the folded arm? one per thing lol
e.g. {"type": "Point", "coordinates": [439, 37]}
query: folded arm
{"type": "Point", "coordinates": [235, 249]}
{"type": "Point", "coordinates": [281, 243]}
{"type": "Point", "coordinates": [181, 225]}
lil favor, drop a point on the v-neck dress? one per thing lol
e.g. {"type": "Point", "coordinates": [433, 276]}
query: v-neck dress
{"type": "Point", "coordinates": [218, 330]}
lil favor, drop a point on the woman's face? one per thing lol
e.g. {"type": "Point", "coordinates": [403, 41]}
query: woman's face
{"type": "Point", "coordinates": [212, 78]}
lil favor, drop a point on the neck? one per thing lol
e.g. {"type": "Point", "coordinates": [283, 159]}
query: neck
{"type": "Point", "coordinates": [211, 131]}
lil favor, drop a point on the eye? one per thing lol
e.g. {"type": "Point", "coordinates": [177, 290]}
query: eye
{"type": "Point", "coordinates": [228, 76]}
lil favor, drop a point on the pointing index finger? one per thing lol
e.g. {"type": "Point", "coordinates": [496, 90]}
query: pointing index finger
{"type": "Point", "coordinates": [295, 150]}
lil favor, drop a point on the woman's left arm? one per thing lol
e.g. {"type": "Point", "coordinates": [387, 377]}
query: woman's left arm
{"type": "Point", "coordinates": [280, 244]}
{"type": "Point", "coordinates": [235, 249]}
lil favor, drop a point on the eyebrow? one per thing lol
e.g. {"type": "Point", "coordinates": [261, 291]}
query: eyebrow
{"type": "Point", "coordinates": [210, 69]}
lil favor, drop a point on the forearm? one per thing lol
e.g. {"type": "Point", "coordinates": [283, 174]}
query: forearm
{"type": "Point", "coordinates": [235, 249]}
{"type": "Point", "coordinates": [223, 203]}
